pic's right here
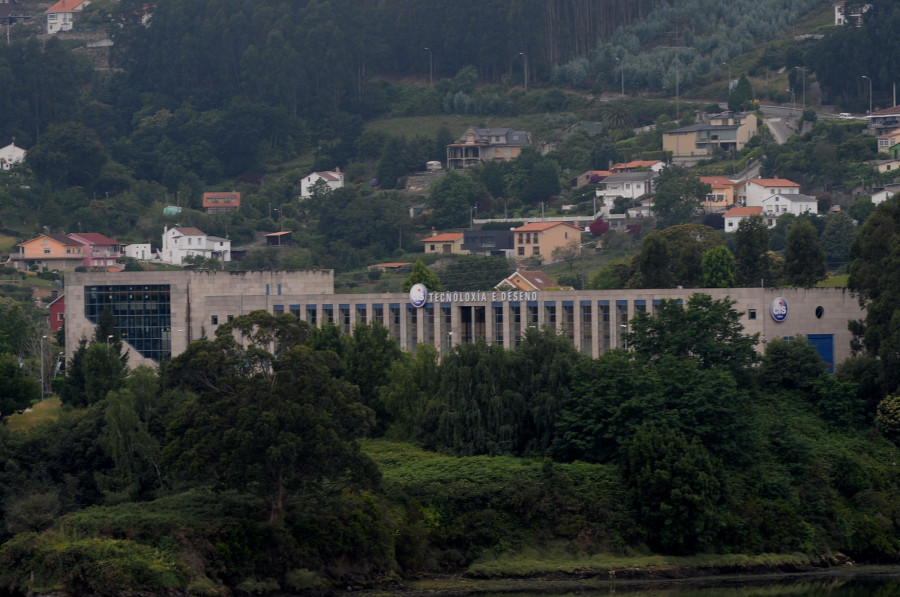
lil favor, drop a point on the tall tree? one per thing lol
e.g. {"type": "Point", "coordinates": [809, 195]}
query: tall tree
{"type": "Point", "coordinates": [804, 258]}
{"type": "Point", "coordinates": [751, 247]}
{"type": "Point", "coordinates": [677, 195]}
{"type": "Point", "coordinates": [422, 274]}
{"type": "Point", "coordinates": [719, 270]}
{"type": "Point", "coordinates": [17, 390]}
{"type": "Point", "coordinates": [452, 199]}
{"type": "Point", "coordinates": [653, 264]}
{"type": "Point", "coordinates": [837, 238]}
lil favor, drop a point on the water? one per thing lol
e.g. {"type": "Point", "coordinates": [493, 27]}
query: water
{"type": "Point", "coordinates": [868, 582]}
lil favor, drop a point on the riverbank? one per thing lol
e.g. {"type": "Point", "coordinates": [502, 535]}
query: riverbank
{"type": "Point", "coordinates": [622, 581]}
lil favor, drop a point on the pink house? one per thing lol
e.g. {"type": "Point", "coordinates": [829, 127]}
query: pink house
{"type": "Point", "coordinates": [99, 250]}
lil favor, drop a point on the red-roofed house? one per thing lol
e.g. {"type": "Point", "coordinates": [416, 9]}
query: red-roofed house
{"type": "Point", "coordinates": [756, 190]}
{"type": "Point", "coordinates": [529, 280]}
{"type": "Point", "coordinates": [734, 216]}
{"type": "Point", "coordinates": [638, 165]}
{"type": "Point", "coordinates": [99, 250]}
{"type": "Point", "coordinates": [334, 179]}
{"type": "Point", "coordinates": [721, 195]}
{"type": "Point", "coordinates": [221, 202]}
{"type": "Point", "coordinates": [540, 239]}
{"type": "Point", "coordinates": [449, 243]}
{"type": "Point", "coordinates": [61, 16]}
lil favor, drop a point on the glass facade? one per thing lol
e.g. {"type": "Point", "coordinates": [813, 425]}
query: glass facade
{"type": "Point", "coordinates": [142, 312]}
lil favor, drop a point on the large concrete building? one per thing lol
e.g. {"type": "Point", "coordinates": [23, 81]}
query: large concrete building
{"type": "Point", "coordinates": [159, 313]}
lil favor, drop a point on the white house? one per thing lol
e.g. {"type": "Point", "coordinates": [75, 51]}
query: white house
{"type": "Point", "coordinates": [61, 16]}
{"type": "Point", "coordinates": [333, 178]}
{"type": "Point", "coordinates": [777, 205]}
{"type": "Point", "coordinates": [886, 193]}
{"type": "Point", "coordinates": [11, 156]}
{"type": "Point", "coordinates": [756, 190]}
{"type": "Point", "coordinates": [139, 251]}
{"type": "Point", "coordinates": [630, 185]}
{"type": "Point", "coordinates": [734, 216]}
{"type": "Point", "coordinates": [184, 241]}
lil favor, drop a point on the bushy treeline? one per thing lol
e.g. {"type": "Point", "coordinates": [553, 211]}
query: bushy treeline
{"type": "Point", "coordinates": [239, 463]}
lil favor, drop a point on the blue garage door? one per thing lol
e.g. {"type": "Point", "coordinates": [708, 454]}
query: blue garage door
{"type": "Point", "coordinates": [824, 345]}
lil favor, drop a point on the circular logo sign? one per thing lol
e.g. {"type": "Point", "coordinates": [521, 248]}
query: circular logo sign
{"type": "Point", "coordinates": [779, 309]}
{"type": "Point", "coordinates": [418, 295]}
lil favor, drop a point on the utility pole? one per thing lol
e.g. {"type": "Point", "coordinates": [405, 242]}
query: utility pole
{"type": "Point", "coordinates": [525, 67]}
{"type": "Point", "coordinates": [430, 68]}
{"type": "Point", "coordinates": [870, 97]}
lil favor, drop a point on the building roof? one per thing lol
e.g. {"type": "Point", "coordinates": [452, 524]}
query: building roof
{"type": "Point", "coordinates": [447, 237]}
{"type": "Point", "coordinates": [231, 198]}
{"type": "Point", "coordinates": [94, 238]}
{"type": "Point", "coordinates": [189, 231]}
{"type": "Point", "coordinates": [541, 226]}
{"type": "Point", "coordinates": [629, 176]}
{"type": "Point", "coordinates": [513, 137]}
{"type": "Point", "coordinates": [892, 111]}
{"type": "Point", "coordinates": [702, 126]}
{"type": "Point", "coordinates": [66, 6]}
{"type": "Point", "coordinates": [773, 182]}
{"type": "Point", "coordinates": [717, 181]}
{"type": "Point", "coordinates": [329, 175]}
{"type": "Point", "coordinates": [282, 233]}
{"type": "Point", "coordinates": [743, 211]}
{"type": "Point", "coordinates": [636, 164]}
{"type": "Point", "coordinates": [60, 238]}
{"type": "Point", "coordinates": [537, 279]}
{"type": "Point", "coordinates": [794, 197]}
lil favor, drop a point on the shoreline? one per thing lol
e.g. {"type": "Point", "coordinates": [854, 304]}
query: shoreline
{"type": "Point", "coordinates": [624, 579]}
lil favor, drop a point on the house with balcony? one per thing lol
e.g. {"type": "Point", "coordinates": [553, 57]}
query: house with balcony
{"type": "Point", "coordinates": [186, 241]}
{"type": "Point", "coordinates": [850, 13]}
{"type": "Point", "coordinates": [726, 132]}
{"type": "Point", "coordinates": [541, 239]}
{"type": "Point", "coordinates": [48, 251]}
{"type": "Point", "coordinates": [478, 145]}
{"type": "Point", "coordinates": [629, 185]}
{"type": "Point", "coordinates": [99, 251]}
{"type": "Point", "coordinates": [721, 195]}
{"type": "Point", "coordinates": [61, 16]}
{"type": "Point", "coordinates": [449, 243]}
{"type": "Point", "coordinates": [219, 202]}
{"type": "Point", "coordinates": [489, 243]}
{"type": "Point", "coordinates": [883, 122]}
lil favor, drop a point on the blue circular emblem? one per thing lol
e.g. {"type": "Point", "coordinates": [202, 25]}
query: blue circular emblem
{"type": "Point", "coordinates": [418, 295]}
{"type": "Point", "coordinates": [779, 309]}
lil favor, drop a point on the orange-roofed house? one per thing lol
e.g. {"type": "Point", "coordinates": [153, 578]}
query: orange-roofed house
{"type": "Point", "coordinates": [734, 216]}
{"type": "Point", "coordinates": [721, 195]}
{"type": "Point", "coordinates": [61, 16]}
{"type": "Point", "coordinates": [449, 243]}
{"type": "Point", "coordinates": [756, 190]}
{"type": "Point", "coordinates": [529, 281]}
{"type": "Point", "coordinates": [217, 202]}
{"type": "Point", "coordinates": [540, 239]}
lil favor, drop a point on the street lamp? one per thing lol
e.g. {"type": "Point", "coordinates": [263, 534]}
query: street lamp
{"type": "Point", "coordinates": [472, 211]}
{"type": "Point", "coordinates": [43, 391]}
{"type": "Point", "coordinates": [430, 68]}
{"type": "Point", "coordinates": [525, 67]}
{"type": "Point", "coordinates": [870, 96]}
{"type": "Point", "coordinates": [108, 338]}
{"type": "Point", "coordinates": [803, 83]}
{"type": "Point", "coordinates": [729, 75]}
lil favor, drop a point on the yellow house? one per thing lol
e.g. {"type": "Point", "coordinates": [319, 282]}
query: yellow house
{"type": "Point", "coordinates": [51, 251]}
{"type": "Point", "coordinates": [449, 243]}
{"type": "Point", "coordinates": [726, 133]}
{"type": "Point", "coordinates": [540, 239]}
{"type": "Point", "coordinates": [722, 194]}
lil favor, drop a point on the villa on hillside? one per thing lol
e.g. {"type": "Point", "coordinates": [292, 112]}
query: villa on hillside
{"type": "Point", "coordinates": [479, 145]}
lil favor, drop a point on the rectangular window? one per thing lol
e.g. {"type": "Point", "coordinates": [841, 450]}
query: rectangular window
{"type": "Point", "coordinates": [622, 322]}
{"type": "Point", "coordinates": [295, 311]}
{"type": "Point", "coordinates": [267, 290]}
{"type": "Point", "coordinates": [521, 250]}
{"type": "Point", "coordinates": [446, 328]}
{"type": "Point", "coordinates": [751, 313]}
{"type": "Point", "coordinates": [586, 328]}
{"type": "Point", "coordinates": [277, 310]}
{"type": "Point", "coordinates": [516, 312]}
{"type": "Point", "coordinates": [230, 318]}
{"type": "Point", "coordinates": [311, 315]}
{"type": "Point", "coordinates": [378, 314]}
{"type": "Point", "coordinates": [498, 325]}
{"type": "Point", "coordinates": [361, 314]}
{"type": "Point", "coordinates": [328, 313]}
{"type": "Point", "coordinates": [215, 320]}
{"type": "Point", "coordinates": [412, 325]}
{"type": "Point", "coordinates": [531, 315]}
{"type": "Point", "coordinates": [535, 250]}
{"type": "Point", "coordinates": [550, 314]}
{"type": "Point", "coordinates": [568, 321]}
{"type": "Point", "coordinates": [429, 324]}
{"type": "Point", "coordinates": [279, 289]}
{"type": "Point", "coordinates": [394, 322]}
{"type": "Point", "coordinates": [344, 318]}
